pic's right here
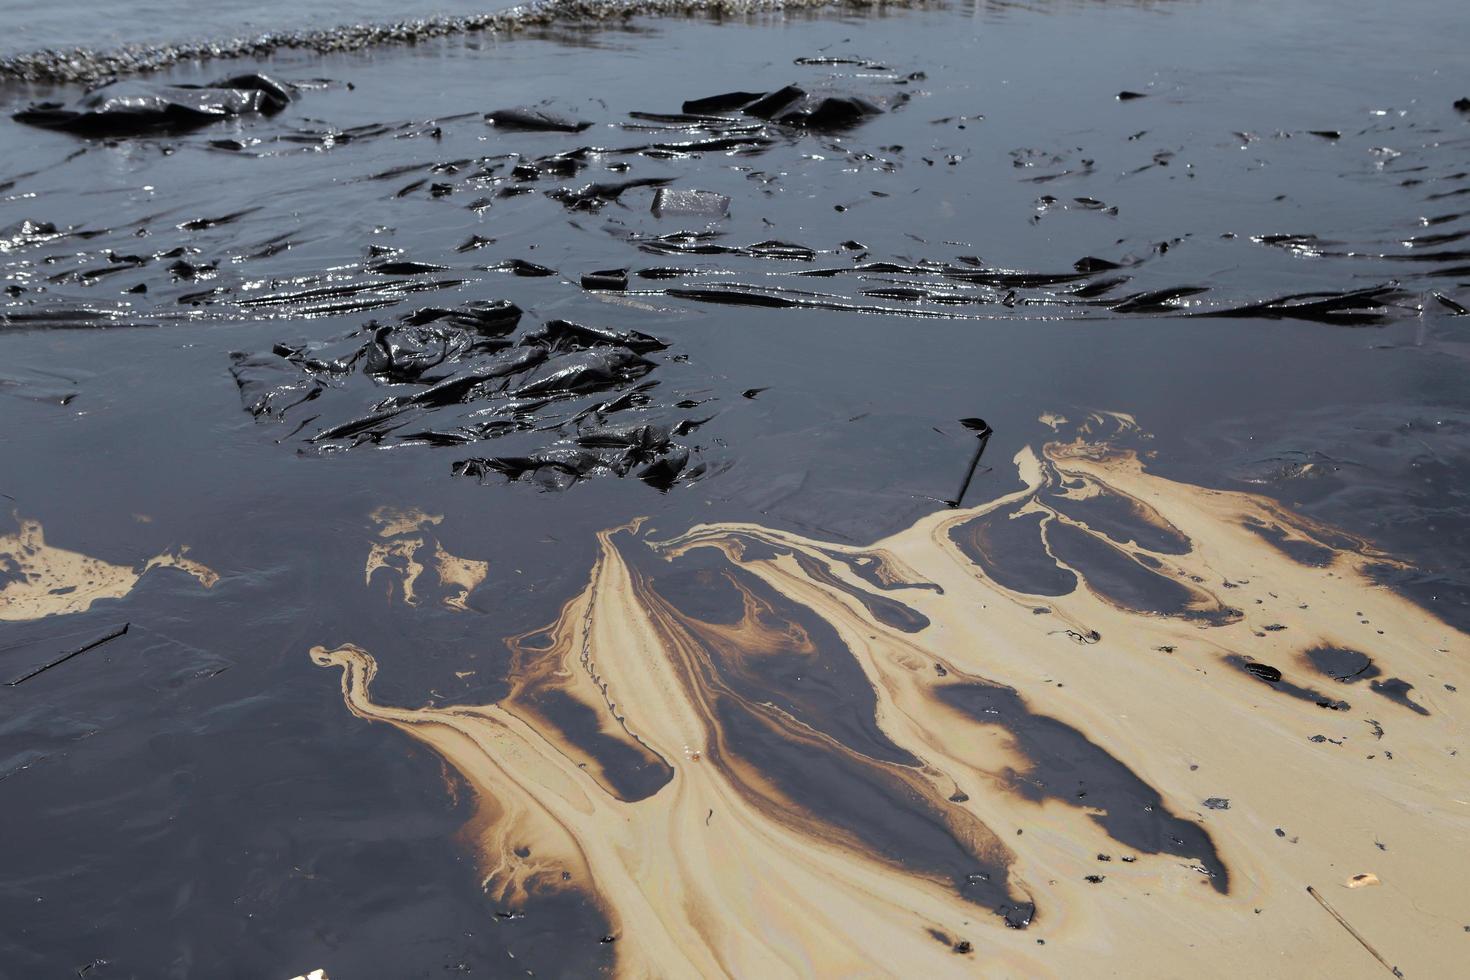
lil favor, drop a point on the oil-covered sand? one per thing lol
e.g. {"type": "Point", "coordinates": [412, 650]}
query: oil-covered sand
{"type": "Point", "coordinates": [808, 757]}
{"type": "Point", "coordinates": [610, 466]}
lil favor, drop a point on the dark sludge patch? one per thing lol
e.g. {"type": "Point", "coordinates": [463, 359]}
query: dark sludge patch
{"type": "Point", "coordinates": [70, 318]}
{"type": "Point", "coordinates": [1451, 255]}
{"type": "Point", "coordinates": [732, 297]}
{"type": "Point", "coordinates": [560, 468]}
{"type": "Point", "coordinates": [1262, 671]}
{"type": "Point", "coordinates": [1158, 300]}
{"type": "Point", "coordinates": [1067, 767]}
{"type": "Point", "coordinates": [663, 473]}
{"type": "Point", "coordinates": [764, 649]}
{"type": "Point", "coordinates": [1272, 678]}
{"type": "Point", "coordinates": [771, 687]}
{"type": "Point", "coordinates": [632, 774]}
{"type": "Point", "coordinates": [1357, 307]}
{"type": "Point", "coordinates": [523, 269]}
{"type": "Point", "coordinates": [1099, 287]}
{"type": "Point", "coordinates": [404, 268]}
{"type": "Point", "coordinates": [200, 224]}
{"type": "Point", "coordinates": [1124, 580]}
{"type": "Point", "coordinates": [1432, 241]}
{"type": "Point", "coordinates": [566, 335]}
{"type": "Point", "coordinates": [864, 800]}
{"type": "Point", "coordinates": [749, 142]}
{"type": "Point", "coordinates": [1397, 690]}
{"type": "Point", "coordinates": [544, 662]}
{"type": "Point", "coordinates": [606, 279]}
{"type": "Point", "coordinates": [1012, 278]}
{"type": "Point", "coordinates": [1300, 550]}
{"type": "Point", "coordinates": [724, 102]}
{"type": "Point", "coordinates": [1455, 309]}
{"type": "Point", "coordinates": [1008, 547]}
{"type": "Point", "coordinates": [534, 120]}
{"type": "Point", "coordinates": [831, 112]}
{"type": "Point", "coordinates": [708, 592]}
{"type": "Point", "coordinates": [322, 301]}
{"type": "Point", "coordinates": [1341, 664]}
{"type": "Point", "coordinates": [570, 400]}
{"type": "Point", "coordinates": [1018, 915]}
{"type": "Point", "coordinates": [1461, 272]}
{"type": "Point", "coordinates": [1348, 666]}
{"type": "Point", "coordinates": [926, 287]}
{"type": "Point", "coordinates": [703, 243]}
{"type": "Point", "coordinates": [129, 108]}
{"type": "Point", "coordinates": [28, 232]}
{"type": "Point", "coordinates": [740, 295]}
{"type": "Point", "coordinates": [593, 368]}
{"type": "Point", "coordinates": [1122, 518]}
{"type": "Point", "coordinates": [596, 195]}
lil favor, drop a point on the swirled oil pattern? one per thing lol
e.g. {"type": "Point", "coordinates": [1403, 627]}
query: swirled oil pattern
{"type": "Point", "coordinates": [756, 768]}
{"type": "Point", "coordinates": [38, 579]}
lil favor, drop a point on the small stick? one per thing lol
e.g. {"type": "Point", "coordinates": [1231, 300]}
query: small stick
{"type": "Point", "coordinates": [983, 431]}
{"type": "Point", "coordinates": [1351, 931]}
{"type": "Point", "coordinates": [116, 632]}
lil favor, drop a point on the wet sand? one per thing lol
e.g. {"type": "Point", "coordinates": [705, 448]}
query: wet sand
{"type": "Point", "coordinates": [624, 518]}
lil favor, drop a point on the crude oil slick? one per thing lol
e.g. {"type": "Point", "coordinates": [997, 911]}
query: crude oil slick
{"type": "Point", "coordinates": [752, 770]}
{"type": "Point", "coordinates": [598, 393]}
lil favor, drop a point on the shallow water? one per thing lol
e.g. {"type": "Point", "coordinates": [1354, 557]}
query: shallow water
{"type": "Point", "coordinates": [194, 799]}
{"type": "Point", "coordinates": [33, 27]}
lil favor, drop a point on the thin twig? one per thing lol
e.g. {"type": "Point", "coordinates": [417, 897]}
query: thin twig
{"type": "Point", "coordinates": [1352, 932]}
{"type": "Point", "coordinates": [982, 431]}
{"type": "Point", "coordinates": [114, 634]}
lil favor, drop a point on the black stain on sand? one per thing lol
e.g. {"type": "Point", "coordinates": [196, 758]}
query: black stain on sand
{"type": "Point", "coordinates": [1347, 666]}
{"type": "Point", "coordinates": [632, 774]}
{"type": "Point", "coordinates": [1273, 678]}
{"type": "Point", "coordinates": [1007, 546]}
{"type": "Point", "coordinates": [1342, 665]}
{"type": "Point", "coordinates": [765, 649]}
{"type": "Point", "coordinates": [792, 712]}
{"type": "Point", "coordinates": [1067, 767]}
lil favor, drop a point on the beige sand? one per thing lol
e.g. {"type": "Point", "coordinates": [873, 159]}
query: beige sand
{"type": "Point", "coordinates": [712, 875]}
